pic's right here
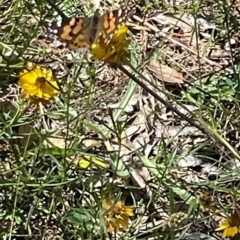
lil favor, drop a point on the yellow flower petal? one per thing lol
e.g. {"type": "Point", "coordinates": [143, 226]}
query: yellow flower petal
{"type": "Point", "coordinates": [230, 232]}
{"type": "Point", "coordinates": [37, 83]}
{"type": "Point", "coordinates": [129, 210]}
{"type": "Point", "coordinates": [117, 214]}
{"type": "Point", "coordinates": [230, 226]}
{"type": "Point", "coordinates": [38, 72]}
{"type": "Point", "coordinates": [221, 227]}
{"type": "Point", "coordinates": [27, 77]}
{"type": "Point", "coordinates": [49, 76]}
{"type": "Point", "coordinates": [114, 51]}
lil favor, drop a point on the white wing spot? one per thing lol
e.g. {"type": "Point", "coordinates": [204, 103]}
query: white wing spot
{"type": "Point", "coordinates": [59, 23]}
{"type": "Point", "coordinates": [119, 12]}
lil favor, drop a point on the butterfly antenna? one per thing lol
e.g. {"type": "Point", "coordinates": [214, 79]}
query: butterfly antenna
{"type": "Point", "coordinates": [56, 9]}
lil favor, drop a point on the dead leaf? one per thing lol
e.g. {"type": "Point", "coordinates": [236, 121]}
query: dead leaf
{"type": "Point", "coordinates": [183, 21]}
{"type": "Point", "coordinates": [56, 141]}
{"type": "Point", "coordinates": [91, 143]}
{"type": "Point", "coordinates": [165, 73]}
{"type": "Point", "coordinates": [142, 176]}
{"type": "Point", "coordinates": [86, 161]}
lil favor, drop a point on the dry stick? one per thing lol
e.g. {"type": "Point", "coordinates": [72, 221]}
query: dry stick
{"type": "Point", "coordinates": [156, 96]}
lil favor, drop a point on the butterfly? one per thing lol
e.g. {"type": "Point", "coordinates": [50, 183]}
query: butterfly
{"type": "Point", "coordinates": [82, 32]}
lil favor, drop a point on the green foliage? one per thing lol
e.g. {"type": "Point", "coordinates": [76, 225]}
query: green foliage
{"type": "Point", "coordinates": [81, 217]}
{"type": "Point", "coordinates": [214, 89]}
{"type": "Point", "coordinates": [134, 154]}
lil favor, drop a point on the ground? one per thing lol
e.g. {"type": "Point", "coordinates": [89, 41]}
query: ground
{"type": "Point", "coordinates": [155, 135]}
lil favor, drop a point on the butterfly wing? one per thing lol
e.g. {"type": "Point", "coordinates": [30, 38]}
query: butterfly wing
{"type": "Point", "coordinates": [109, 24]}
{"type": "Point", "coordinates": [82, 32]}
{"type": "Point", "coordinates": [74, 31]}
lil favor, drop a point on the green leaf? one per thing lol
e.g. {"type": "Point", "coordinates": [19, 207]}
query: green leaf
{"type": "Point", "coordinates": [79, 216]}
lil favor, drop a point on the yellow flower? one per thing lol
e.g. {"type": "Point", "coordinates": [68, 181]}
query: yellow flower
{"type": "Point", "coordinates": [116, 214]}
{"type": "Point", "coordinates": [230, 226]}
{"type": "Point", "coordinates": [37, 83]}
{"type": "Point", "coordinates": [114, 51]}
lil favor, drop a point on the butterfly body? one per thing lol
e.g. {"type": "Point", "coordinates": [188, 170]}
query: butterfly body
{"type": "Point", "coordinates": [82, 32]}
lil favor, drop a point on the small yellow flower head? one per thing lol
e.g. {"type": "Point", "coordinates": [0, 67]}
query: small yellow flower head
{"type": "Point", "coordinates": [230, 226]}
{"type": "Point", "coordinates": [174, 221]}
{"type": "Point", "coordinates": [38, 84]}
{"type": "Point", "coordinates": [206, 201]}
{"type": "Point", "coordinates": [114, 51]}
{"type": "Point", "coordinates": [117, 214]}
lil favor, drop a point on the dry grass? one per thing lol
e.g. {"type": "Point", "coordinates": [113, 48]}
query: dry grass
{"type": "Point", "coordinates": [172, 153]}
